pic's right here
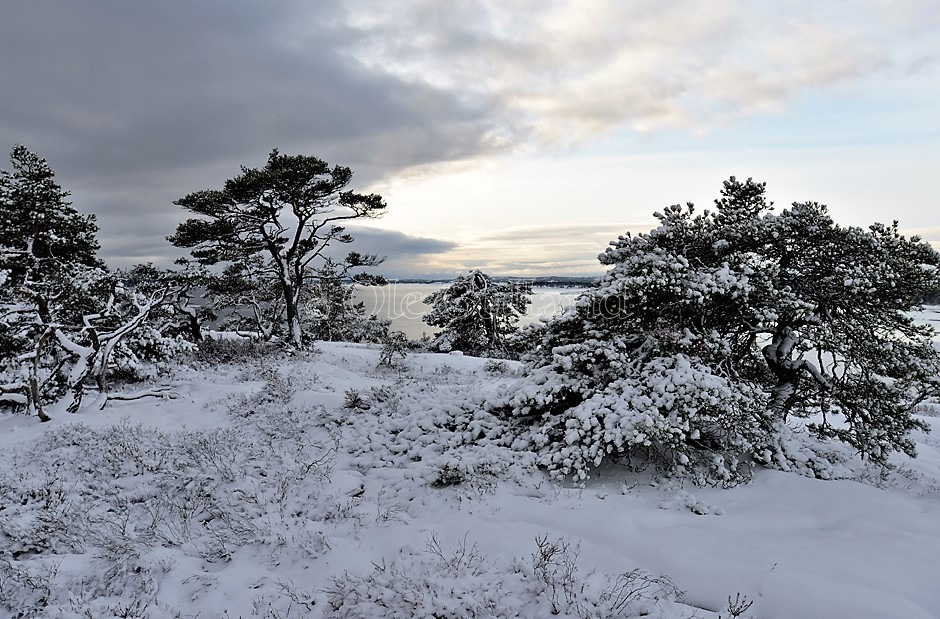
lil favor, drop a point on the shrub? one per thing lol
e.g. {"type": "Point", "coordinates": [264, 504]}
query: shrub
{"type": "Point", "coordinates": [395, 344]}
{"type": "Point", "coordinates": [217, 351]}
{"type": "Point", "coordinates": [464, 583]}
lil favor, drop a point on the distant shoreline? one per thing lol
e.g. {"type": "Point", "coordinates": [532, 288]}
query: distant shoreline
{"type": "Point", "coordinates": [537, 281]}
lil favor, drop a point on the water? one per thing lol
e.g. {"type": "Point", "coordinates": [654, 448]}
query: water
{"type": "Point", "coordinates": [402, 304]}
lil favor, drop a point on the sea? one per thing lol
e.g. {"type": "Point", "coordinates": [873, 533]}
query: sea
{"type": "Point", "coordinates": [404, 305]}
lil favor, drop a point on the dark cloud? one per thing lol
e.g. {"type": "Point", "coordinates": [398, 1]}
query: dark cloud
{"type": "Point", "coordinates": [111, 87]}
{"type": "Point", "coordinates": [394, 243]}
{"type": "Point", "coordinates": [137, 104]}
{"type": "Point", "coordinates": [405, 255]}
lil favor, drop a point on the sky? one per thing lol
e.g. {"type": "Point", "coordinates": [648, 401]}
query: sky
{"type": "Point", "coordinates": [514, 136]}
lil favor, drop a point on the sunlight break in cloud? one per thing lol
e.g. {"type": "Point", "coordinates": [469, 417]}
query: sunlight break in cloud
{"type": "Point", "coordinates": [566, 70]}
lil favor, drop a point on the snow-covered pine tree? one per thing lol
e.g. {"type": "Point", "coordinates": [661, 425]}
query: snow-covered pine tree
{"type": "Point", "coordinates": [40, 230]}
{"type": "Point", "coordinates": [244, 299]}
{"type": "Point", "coordinates": [181, 315]}
{"type": "Point", "coordinates": [63, 316]}
{"type": "Point", "coordinates": [476, 315]}
{"type": "Point", "coordinates": [44, 244]}
{"type": "Point", "coordinates": [712, 331]}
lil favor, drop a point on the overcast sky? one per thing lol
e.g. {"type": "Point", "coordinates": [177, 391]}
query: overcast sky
{"type": "Point", "coordinates": [516, 136]}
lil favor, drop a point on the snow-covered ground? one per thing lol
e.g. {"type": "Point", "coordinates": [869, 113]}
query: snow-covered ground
{"type": "Point", "coordinates": [267, 489]}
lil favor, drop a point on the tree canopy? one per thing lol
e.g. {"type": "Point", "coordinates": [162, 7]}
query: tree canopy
{"type": "Point", "coordinates": [714, 330]}
{"type": "Point", "coordinates": [41, 233]}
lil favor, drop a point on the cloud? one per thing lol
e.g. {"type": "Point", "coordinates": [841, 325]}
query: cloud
{"type": "Point", "coordinates": [116, 88]}
{"type": "Point", "coordinates": [564, 234]}
{"type": "Point", "coordinates": [565, 70]}
{"type": "Point", "coordinates": [109, 88]}
{"type": "Point", "coordinates": [137, 104]}
{"type": "Point", "coordinates": [392, 242]}
{"type": "Point", "coordinates": [538, 250]}
{"type": "Point", "coordinates": [911, 15]}
{"type": "Point", "coordinates": [405, 255]}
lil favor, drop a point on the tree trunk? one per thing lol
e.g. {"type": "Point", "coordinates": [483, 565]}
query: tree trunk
{"type": "Point", "coordinates": [779, 357]}
{"type": "Point", "coordinates": [35, 399]}
{"type": "Point", "coordinates": [195, 328]}
{"type": "Point", "coordinates": [35, 391]}
{"type": "Point", "coordinates": [292, 312]}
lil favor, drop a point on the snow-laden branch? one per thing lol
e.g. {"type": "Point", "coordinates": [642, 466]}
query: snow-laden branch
{"type": "Point", "coordinates": [164, 391]}
{"type": "Point", "coordinates": [15, 393]}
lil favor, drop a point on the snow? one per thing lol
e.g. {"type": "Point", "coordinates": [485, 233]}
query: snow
{"type": "Point", "coordinates": [255, 492]}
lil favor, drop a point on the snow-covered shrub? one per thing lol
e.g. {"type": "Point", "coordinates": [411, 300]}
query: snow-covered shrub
{"type": "Point", "coordinates": [465, 583]}
{"type": "Point", "coordinates": [496, 366]}
{"type": "Point", "coordinates": [435, 432]}
{"type": "Point", "coordinates": [147, 352]}
{"type": "Point", "coordinates": [430, 435]}
{"type": "Point", "coordinates": [395, 344]}
{"type": "Point", "coordinates": [276, 392]}
{"type": "Point", "coordinates": [674, 407]}
{"type": "Point", "coordinates": [528, 339]}
{"type": "Point", "coordinates": [928, 409]}
{"type": "Point", "coordinates": [352, 399]}
{"type": "Point", "coordinates": [738, 606]}
{"type": "Point", "coordinates": [29, 586]}
{"type": "Point", "coordinates": [38, 516]}
{"type": "Point", "coordinates": [712, 332]}
{"type": "Point", "coordinates": [115, 503]}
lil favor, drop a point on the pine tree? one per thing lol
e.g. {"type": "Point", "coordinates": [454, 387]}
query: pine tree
{"type": "Point", "coordinates": [41, 234]}
{"type": "Point", "coordinates": [287, 214]}
{"type": "Point", "coordinates": [477, 315]}
{"type": "Point", "coordinates": [711, 332]}
{"type": "Point", "coordinates": [333, 314]}
{"type": "Point", "coordinates": [63, 317]}
{"type": "Point", "coordinates": [45, 246]}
